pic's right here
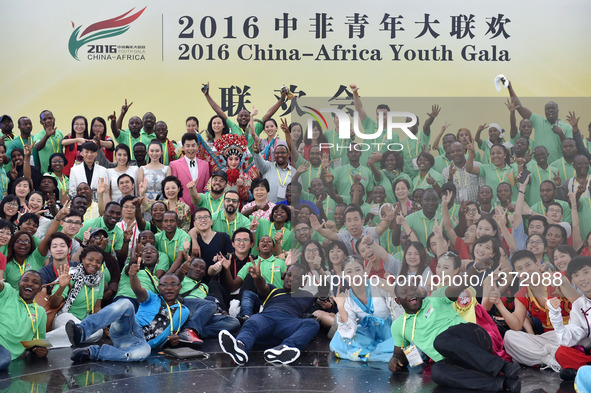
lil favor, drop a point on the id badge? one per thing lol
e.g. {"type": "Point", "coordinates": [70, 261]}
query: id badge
{"type": "Point", "coordinates": [413, 356]}
{"type": "Point", "coordinates": [336, 162]}
{"type": "Point", "coordinates": [463, 194]}
{"type": "Point", "coordinates": [281, 192]}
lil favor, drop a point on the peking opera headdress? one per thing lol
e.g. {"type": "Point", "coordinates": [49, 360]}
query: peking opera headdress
{"type": "Point", "coordinates": [231, 145]}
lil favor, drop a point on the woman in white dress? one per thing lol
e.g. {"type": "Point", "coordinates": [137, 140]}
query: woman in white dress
{"type": "Point", "coordinates": [154, 172]}
{"type": "Point", "coordinates": [122, 157]}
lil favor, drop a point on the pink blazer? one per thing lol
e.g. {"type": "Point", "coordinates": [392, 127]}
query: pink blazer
{"type": "Point", "coordinates": [180, 169]}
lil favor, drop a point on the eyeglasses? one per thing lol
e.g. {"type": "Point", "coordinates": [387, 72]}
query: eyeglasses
{"type": "Point", "coordinates": [242, 240]}
{"type": "Point", "coordinates": [12, 204]}
{"type": "Point", "coordinates": [167, 285]}
{"type": "Point", "coordinates": [23, 242]}
{"type": "Point", "coordinates": [73, 222]}
{"type": "Point", "coordinates": [472, 210]}
{"type": "Point", "coordinates": [232, 200]}
{"type": "Point", "coordinates": [202, 218]}
{"type": "Point", "coordinates": [312, 251]}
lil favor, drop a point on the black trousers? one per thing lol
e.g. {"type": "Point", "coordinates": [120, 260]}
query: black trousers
{"type": "Point", "coordinates": [469, 361]}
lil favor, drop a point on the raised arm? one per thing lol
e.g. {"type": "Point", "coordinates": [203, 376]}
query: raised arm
{"type": "Point", "coordinates": [119, 124]}
{"type": "Point", "coordinates": [295, 154]}
{"type": "Point", "coordinates": [326, 233]}
{"type": "Point", "coordinates": [446, 220]}
{"type": "Point", "coordinates": [275, 107]}
{"type": "Point", "coordinates": [477, 137]}
{"type": "Point", "coordinates": [136, 286]}
{"type": "Point", "coordinates": [435, 145]}
{"type": "Point", "coordinates": [523, 112]}
{"type": "Point", "coordinates": [470, 167]}
{"type": "Point", "coordinates": [511, 105]}
{"type": "Point", "coordinates": [27, 164]}
{"type": "Point", "coordinates": [435, 109]}
{"type": "Point", "coordinates": [518, 214]}
{"type": "Point", "coordinates": [577, 239]}
{"type": "Point", "coordinates": [357, 101]}
{"type": "Point", "coordinates": [259, 282]}
{"type": "Point", "coordinates": [216, 108]}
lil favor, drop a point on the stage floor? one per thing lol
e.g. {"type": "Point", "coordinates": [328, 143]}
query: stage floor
{"type": "Point", "coordinates": [316, 370]}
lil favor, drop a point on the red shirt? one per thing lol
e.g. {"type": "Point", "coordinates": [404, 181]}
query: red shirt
{"type": "Point", "coordinates": [540, 311]}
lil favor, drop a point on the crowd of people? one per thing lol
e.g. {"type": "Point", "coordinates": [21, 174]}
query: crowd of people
{"type": "Point", "coordinates": [457, 254]}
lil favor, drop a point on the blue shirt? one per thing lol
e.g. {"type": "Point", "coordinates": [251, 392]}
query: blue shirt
{"type": "Point", "coordinates": [293, 304]}
{"type": "Point", "coordinates": [154, 319]}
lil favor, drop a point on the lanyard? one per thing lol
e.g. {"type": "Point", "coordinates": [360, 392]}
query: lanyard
{"type": "Point", "coordinates": [62, 183]}
{"type": "Point", "coordinates": [426, 233]}
{"type": "Point", "coordinates": [282, 182]}
{"type": "Point", "coordinates": [23, 142]}
{"type": "Point", "coordinates": [130, 145]}
{"type": "Point", "coordinates": [166, 249]}
{"type": "Point", "coordinates": [198, 287]}
{"type": "Point", "coordinates": [453, 212]}
{"type": "Point", "coordinates": [180, 317]}
{"type": "Point", "coordinates": [89, 211]}
{"type": "Point", "coordinates": [315, 177]}
{"type": "Point", "coordinates": [419, 178]}
{"type": "Point", "coordinates": [154, 281]}
{"type": "Point", "coordinates": [211, 205]}
{"type": "Point", "coordinates": [165, 158]}
{"type": "Point", "coordinates": [465, 178]}
{"type": "Point", "coordinates": [22, 268]}
{"type": "Point", "coordinates": [540, 176]}
{"type": "Point", "coordinates": [273, 271]}
{"type": "Point", "coordinates": [271, 230]}
{"type": "Point", "coordinates": [52, 145]}
{"type": "Point", "coordinates": [91, 308]}
{"type": "Point", "coordinates": [113, 242]}
{"type": "Point", "coordinates": [414, 324]}
{"type": "Point", "coordinates": [31, 316]}
{"type": "Point", "coordinates": [501, 178]}
{"type": "Point", "coordinates": [228, 225]}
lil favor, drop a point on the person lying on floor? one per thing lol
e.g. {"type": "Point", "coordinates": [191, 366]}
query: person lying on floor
{"type": "Point", "coordinates": [159, 319]}
{"type": "Point", "coordinates": [279, 327]}
{"type": "Point", "coordinates": [462, 351]}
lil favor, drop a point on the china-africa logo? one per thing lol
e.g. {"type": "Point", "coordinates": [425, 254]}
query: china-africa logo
{"type": "Point", "coordinates": [103, 29]}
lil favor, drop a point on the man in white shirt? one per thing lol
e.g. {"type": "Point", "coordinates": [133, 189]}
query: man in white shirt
{"type": "Point", "coordinates": [88, 171]}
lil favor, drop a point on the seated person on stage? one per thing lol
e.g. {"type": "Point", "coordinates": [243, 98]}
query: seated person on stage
{"type": "Point", "coordinates": [20, 318]}
{"type": "Point", "coordinates": [158, 320]}
{"type": "Point", "coordinates": [203, 321]}
{"type": "Point", "coordinates": [573, 337]}
{"type": "Point", "coordinates": [462, 351]}
{"type": "Point", "coordinates": [280, 326]}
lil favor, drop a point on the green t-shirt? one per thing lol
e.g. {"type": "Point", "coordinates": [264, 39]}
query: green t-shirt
{"type": "Point", "coordinates": [150, 137]}
{"type": "Point", "coordinates": [19, 143]}
{"type": "Point", "coordinates": [84, 302]}
{"type": "Point", "coordinates": [564, 169]}
{"type": "Point", "coordinates": [16, 324]}
{"type": "Point", "coordinates": [211, 204]}
{"type": "Point", "coordinates": [115, 235]}
{"type": "Point", "coordinates": [544, 136]}
{"type": "Point", "coordinates": [311, 174]}
{"type": "Point", "coordinates": [148, 280]}
{"type": "Point", "coordinates": [495, 176]}
{"type": "Point", "coordinates": [235, 129]}
{"type": "Point", "coordinates": [419, 182]}
{"type": "Point", "coordinates": [221, 224]}
{"type": "Point", "coordinates": [53, 145]}
{"type": "Point", "coordinates": [286, 241]}
{"type": "Point", "coordinates": [538, 175]}
{"type": "Point", "coordinates": [436, 315]}
{"type": "Point", "coordinates": [387, 184]}
{"type": "Point", "coordinates": [441, 162]}
{"type": "Point", "coordinates": [15, 271]}
{"type": "Point", "coordinates": [584, 216]}
{"type": "Point", "coordinates": [271, 269]}
{"type": "Point", "coordinates": [422, 225]}
{"type": "Point", "coordinates": [192, 289]}
{"type": "Point", "coordinates": [171, 248]}
{"type": "Point", "coordinates": [412, 149]}
{"type": "Point", "coordinates": [386, 243]}
{"type": "Point", "coordinates": [343, 178]}
{"type": "Point", "coordinates": [126, 138]}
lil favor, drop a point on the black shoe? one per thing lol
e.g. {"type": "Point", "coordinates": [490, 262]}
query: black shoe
{"type": "Point", "coordinates": [232, 347]}
{"type": "Point", "coordinates": [74, 333]}
{"type": "Point", "coordinates": [242, 319]}
{"type": "Point", "coordinates": [510, 369]}
{"type": "Point", "coordinates": [512, 384]}
{"type": "Point", "coordinates": [568, 374]}
{"type": "Point", "coordinates": [281, 354]}
{"type": "Point", "coordinates": [80, 355]}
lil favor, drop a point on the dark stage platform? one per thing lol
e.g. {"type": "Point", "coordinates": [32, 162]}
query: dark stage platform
{"type": "Point", "coordinates": [316, 370]}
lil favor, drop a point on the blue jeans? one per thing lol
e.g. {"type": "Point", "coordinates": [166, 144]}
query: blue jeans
{"type": "Point", "coordinates": [271, 329]}
{"type": "Point", "coordinates": [249, 301]}
{"type": "Point", "coordinates": [5, 358]}
{"type": "Point", "coordinates": [129, 344]}
{"type": "Point", "coordinates": [205, 322]}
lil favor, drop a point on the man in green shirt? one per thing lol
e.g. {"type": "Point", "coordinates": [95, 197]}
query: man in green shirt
{"type": "Point", "coordinates": [462, 351]}
{"type": "Point", "coordinates": [48, 141]}
{"type": "Point", "coordinates": [21, 319]}
{"type": "Point", "coordinates": [149, 121]}
{"type": "Point", "coordinates": [26, 128]}
{"type": "Point", "coordinates": [564, 166]}
{"type": "Point", "coordinates": [171, 241]}
{"type": "Point", "coordinates": [212, 200]}
{"type": "Point", "coordinates": [422, 221]}
{"type": "Point", "coordinates": [118, 240]}
{"type": "Point", "coordinates": [228, 220]}
{"type": "Point", "coordinates": [131, 136]}
{"type": "Point", "coordinates": [343, 175]}
{"type": "Point", "coordinates": [549, 131]}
